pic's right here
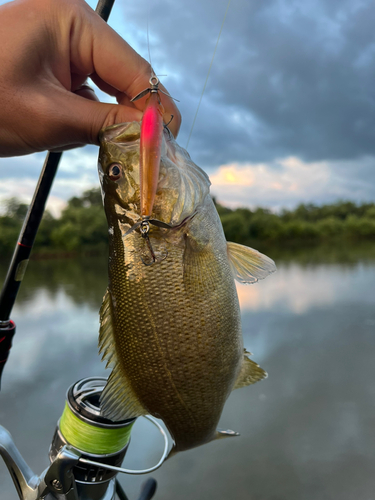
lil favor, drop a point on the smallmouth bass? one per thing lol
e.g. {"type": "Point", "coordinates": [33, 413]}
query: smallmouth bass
{"type": "Point", "coordinates": [171, 331]}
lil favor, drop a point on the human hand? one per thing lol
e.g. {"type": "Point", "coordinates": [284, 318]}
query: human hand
{"type": "Point", "coordinates": [48, 49]}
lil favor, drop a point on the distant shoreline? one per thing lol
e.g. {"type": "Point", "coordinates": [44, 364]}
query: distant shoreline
{"type": "Point", "coordinates": [82, 227]}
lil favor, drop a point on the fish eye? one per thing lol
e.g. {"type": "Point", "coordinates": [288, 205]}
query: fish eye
{"type": "Point", "coordinates": [114, 171]}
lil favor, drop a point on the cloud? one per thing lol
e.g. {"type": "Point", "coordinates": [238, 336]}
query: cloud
{"type": "Point", "coordinates": [290, 78]}
{"type": "Point", "coordinates": [19, 167]}
{"type": "Point", "coordinates": [282, 183]}
{"type": "Point", "coordinates": [19, 188]}
{"type": "Point", "coordinates": [289, 181]}
{"type": "Point", "coordinates": [77, 172]}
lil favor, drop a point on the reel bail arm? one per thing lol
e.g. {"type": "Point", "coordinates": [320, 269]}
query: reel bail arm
{"type": "Point", "coordinates": [57, 479]}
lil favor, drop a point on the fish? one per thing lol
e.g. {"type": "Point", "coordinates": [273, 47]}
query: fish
{"type": "Point", "coordinates": [170, 327]}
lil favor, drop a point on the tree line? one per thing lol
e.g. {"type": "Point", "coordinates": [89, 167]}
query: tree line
{"type": "Point", "coordinates": [306, 225]}
{"type": "Point", "coordinates": [82, 225]}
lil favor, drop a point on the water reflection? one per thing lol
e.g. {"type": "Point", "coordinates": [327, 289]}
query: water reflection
{"type": "Point", "coordinates": [298, 289]}
{"type": "Point", "coordinates": [306, 432]}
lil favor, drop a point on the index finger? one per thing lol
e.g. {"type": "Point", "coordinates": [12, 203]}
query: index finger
{"type": "Point", "coordinates": [97, 48]}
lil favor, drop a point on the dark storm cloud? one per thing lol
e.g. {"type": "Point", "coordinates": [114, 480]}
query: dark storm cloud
{"type": "Point", "coordinates": [289, 78]}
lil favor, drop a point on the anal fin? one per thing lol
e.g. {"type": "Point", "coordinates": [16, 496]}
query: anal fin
{"type": "Point", "coordinates": [118, 400]}
{"type": "Point", "coordinates": [250, 373]}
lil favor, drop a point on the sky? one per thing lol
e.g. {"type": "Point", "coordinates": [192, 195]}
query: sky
{"type": "Point", "coordinates": [288, 115]}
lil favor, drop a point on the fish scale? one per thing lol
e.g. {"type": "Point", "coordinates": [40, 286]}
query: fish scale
{"type": "Point", "coordinates": [171, 330]}
{"type": "Point", "coordinates": [152, 317]}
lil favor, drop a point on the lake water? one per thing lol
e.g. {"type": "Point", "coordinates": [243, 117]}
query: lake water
{"type": "Point", "coordinates": [307, 432]}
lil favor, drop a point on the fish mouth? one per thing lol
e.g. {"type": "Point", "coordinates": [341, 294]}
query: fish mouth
{"type": "Point", "coordinates": [151, 257]}
{"type": "Point", "coordinates": [145, 222]}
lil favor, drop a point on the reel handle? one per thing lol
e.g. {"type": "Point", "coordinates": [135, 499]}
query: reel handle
{"type": "Point", "coordinates": [24, 479]}
{"type": "Point", "coordinates": [148, 489]}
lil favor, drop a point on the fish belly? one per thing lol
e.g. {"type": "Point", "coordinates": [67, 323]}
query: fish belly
{"type": "Point", "coordinates": [179, 346]}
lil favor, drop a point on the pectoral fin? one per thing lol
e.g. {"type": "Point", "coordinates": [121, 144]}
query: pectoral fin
{"type": "Point", "coordinates": [250, 373]}
{"type": "Point", "coordinates": [118, 400]}
{"type": "Point", "coordinates": [248, 265]}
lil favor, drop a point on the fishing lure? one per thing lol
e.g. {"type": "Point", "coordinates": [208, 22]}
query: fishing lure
{"type": "Point", "coordinates": [150, 145]}
{"type": "Point", "coordinates": [149, 162]}
{"type": "Point", "coordinates": [150, 152]}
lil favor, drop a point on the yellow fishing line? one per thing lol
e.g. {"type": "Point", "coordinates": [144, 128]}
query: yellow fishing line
{"type": "Point", "coordinates": [92, 439]}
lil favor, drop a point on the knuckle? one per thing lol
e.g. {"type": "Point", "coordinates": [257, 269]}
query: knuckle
{"type": "Point", "coordinates": [141, 78]}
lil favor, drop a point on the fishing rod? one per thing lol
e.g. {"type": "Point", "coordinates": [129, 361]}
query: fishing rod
{"type": "Point", "coordinates": [28, 233]}
{"type": "Point", "coordinates": [77, 472]}
{"type": "Point", "coordinates": [21, 254]}
{"type": "Point", "coordinates": [87, 449]}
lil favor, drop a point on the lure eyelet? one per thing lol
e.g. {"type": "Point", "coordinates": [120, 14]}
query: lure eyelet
{"type": "Point", "coordinates": [154, 80]}
{"type": "Point", "coordinates": [115, 171]}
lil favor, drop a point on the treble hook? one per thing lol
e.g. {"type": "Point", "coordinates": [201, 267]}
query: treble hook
{"type": "Point", "coordinates": [145, 222]}
{"type": "Point", "coordinates": [144, 229]}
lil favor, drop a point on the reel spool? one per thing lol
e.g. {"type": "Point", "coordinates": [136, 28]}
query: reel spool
{"type": "Point", "coordinates": [101, 442]}
{"type": "Point", "coordinates": [95, 437]}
